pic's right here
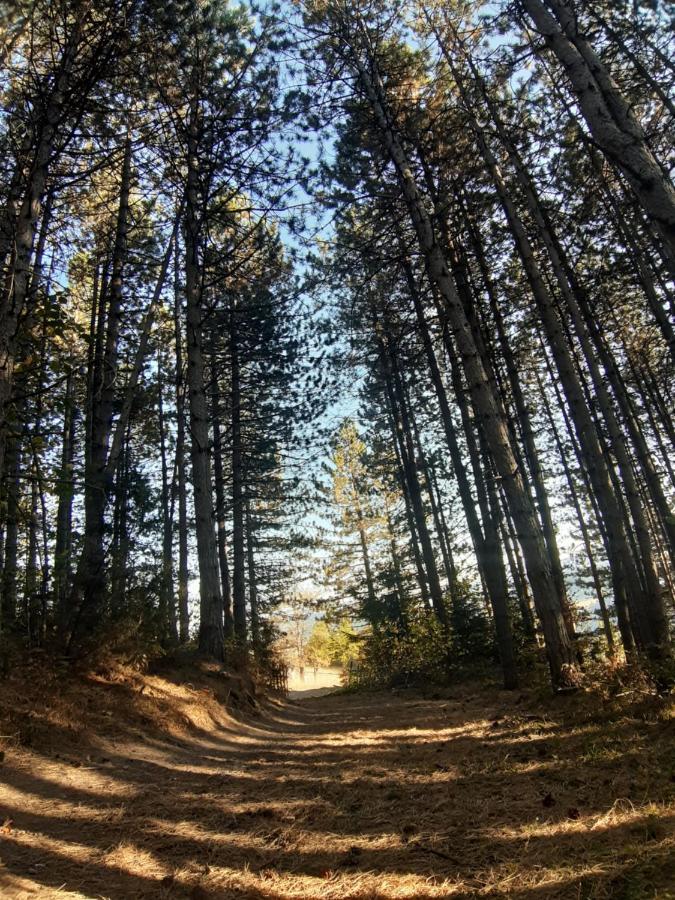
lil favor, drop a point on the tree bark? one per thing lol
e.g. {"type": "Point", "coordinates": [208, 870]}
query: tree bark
{"type": "Point", "coordinates": [618, 584]}
{"type": "Point", "coordinates": [581, 519]}
{"type": "Point", "coordinates": [89, 588]}
{"type": "Point", "coordinates": [609, 116]}
{"type": "Point", "coordinates": [484, 538]}
{"type": "Point", "coordinates": [238, 552]}
{"type": "Point", "coordinates": [219, 477]}
{"type": "Point", "coordinates": [252, 579]}
{"type": "Point", "coordinates": [650, 625]}
{"type": "Point", "coordinates": [20, 217]}
{"type": "Point", "coordinates": [403, 484]}
{"type": "Point", "coordinates": [211, 619]}
{"type": "Point", "coordinates": [393, 380]}
{"type": "Point", "coordinates": [167, 602]}
{"type": "Point", "coordinates": [13, 498]}
{"type": "Point", "coordinates": [64, 510]}
{"type": "Point", "coordinates": [371, 610]}
{"type": "Point", "coordinates": [559, 648]}
{"type": "Point", "coordinates": [181, 475]}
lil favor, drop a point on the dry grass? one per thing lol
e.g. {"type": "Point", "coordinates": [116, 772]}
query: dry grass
{"type": "Point", "coordinates": [137, 786]}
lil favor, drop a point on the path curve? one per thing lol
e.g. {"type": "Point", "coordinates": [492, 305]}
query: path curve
{"type": "Point", "coordinates": [350, 796]}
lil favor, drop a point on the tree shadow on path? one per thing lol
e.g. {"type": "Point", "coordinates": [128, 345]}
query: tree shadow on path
{"type": "Point", "coordinates": [377, 795]}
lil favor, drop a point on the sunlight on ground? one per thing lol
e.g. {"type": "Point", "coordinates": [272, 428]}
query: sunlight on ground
{"type": "Point", "coordinates": [310, 682]}
{"type": "Point", "coordinates": [349, 796]}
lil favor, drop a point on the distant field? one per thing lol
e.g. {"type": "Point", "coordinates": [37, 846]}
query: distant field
{"type": "Point", "coordinates": [310, 679]}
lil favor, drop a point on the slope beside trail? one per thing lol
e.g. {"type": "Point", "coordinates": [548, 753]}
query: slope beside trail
{"type": "Point", "coordinates": [477, 794]}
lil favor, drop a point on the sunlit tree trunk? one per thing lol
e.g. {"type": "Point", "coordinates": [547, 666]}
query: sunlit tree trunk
{"type": "Point", "coordinates": [559, 647]}
{"type": "Point", "coordinates": [608, 114]}
{"type": "Point", "coordinates": [485, 539]}
{"type": "Point", "coordinates": [592, 343]}
{"type": "Point", "coordinates": [524, 421]}
{"type": "Point", "coordinates": [618, 585]}
{"type": "Point", "coordinates": [621, 559]}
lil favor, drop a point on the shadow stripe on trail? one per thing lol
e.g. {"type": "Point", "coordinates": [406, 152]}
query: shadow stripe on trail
{"type": "Point", "coordinates": [382, 795]}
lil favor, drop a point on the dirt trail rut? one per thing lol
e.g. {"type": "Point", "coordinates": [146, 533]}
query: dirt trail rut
{"type": "Point", "coordinates": [369, 796]}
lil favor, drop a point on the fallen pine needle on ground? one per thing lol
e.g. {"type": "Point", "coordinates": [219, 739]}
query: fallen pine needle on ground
{"type": "Point", "coordinates": [155, 790]}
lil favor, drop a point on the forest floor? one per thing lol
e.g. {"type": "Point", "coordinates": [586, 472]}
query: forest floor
{"type": "Point", "coordinates": [129, 786]}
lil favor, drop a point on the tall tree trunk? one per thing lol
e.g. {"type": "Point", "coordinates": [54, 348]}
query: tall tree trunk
{"type": "Point", "coordinates": [559, 647]}
{"type": "Point", "coordinates": [238, 557]}
{"type": "Point", "coordinates": [609, 116]}
{"type": "Point", "coordinates": [524, 420]}
{"type": "Point", "coordinates": [593, 455]}
{"type": "Point", "coordinates": [12, 500]}
{"type": "Point", "coordinates": [394, 383]}
{"type": "Point", "coordinates": [167, 600]}
{"type": "Point", "coordinates": [398, 571]}
{"type": "Point", "coordinates": [423, 468]}
{"type": "Point", "coordinates": [142, 347]}
{"type": "Point", "coordinates": [121, 542]}
{"type": "Point", "coordinates": [89, 588]}
{"type": "Point", "coordinates": [64, 510]}
{"type": "Point", "coordinates": [31, 593]}
{"type": "Point", "coordinates": [518, 577]}
{"type": "Point", "coordinates": [410, 520]}
{"type": "Point", "coordinates": [592, 343]}
{"type": "Point", "coordinates": [252, 579]}
{"type": "Point", "coordinates": [618, 584]}
{"type": "Point", "coordinates": [44, 553]}
{"type": "Point", "coordinates": [371, 609]}
{"type": "Point", "coordinates": [485, 536]}
{"type": "Point", "coordinates": [32, 589]}
{"type": "Point", "coordinates": [581, 518]}
{"type": "Point", "coordinates": [488, 558]}
{"type": "Point", "coordinates": [656, 430]}
{"type": "Point", "coordinates": [219, 477]}
{"type": "Point", "coordinates": [181, 475]}
{"type": "Point", "coordinates": [635, 253]}
{"type": "Point", "coordinates": [444, 533]}
{"type": "Point", "coordinates": [621, 560]}
{"type": "Point", "coordinates": [21, 228]}
{"type": "Point", "coordinates": [211, 619]}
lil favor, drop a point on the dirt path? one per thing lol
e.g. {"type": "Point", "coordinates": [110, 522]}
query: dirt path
{"type": "Point", "coordinates": [370, 796]}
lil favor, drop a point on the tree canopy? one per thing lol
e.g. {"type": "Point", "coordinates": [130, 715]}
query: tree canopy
{"type": "Point", "coordinates": [376, 298]}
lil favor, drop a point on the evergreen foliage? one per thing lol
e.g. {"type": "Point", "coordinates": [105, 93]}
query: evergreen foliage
{"type": "Point", "coordinates": [372, 300]}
